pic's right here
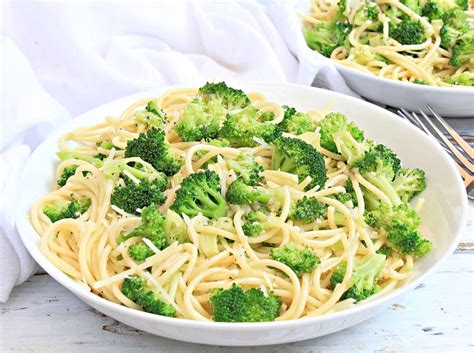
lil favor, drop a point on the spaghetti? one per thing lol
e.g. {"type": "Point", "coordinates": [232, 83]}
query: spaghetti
{"type": "Point", "coordinates": [394, 39]}
{"type": "Point", "coordinates": [88, 247]}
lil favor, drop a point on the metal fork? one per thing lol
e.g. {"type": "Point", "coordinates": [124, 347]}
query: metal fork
{"type": "Point", "coordinates": [459, 150]}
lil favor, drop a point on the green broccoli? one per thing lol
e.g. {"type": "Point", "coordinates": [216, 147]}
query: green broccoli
{"type": "Point", "coordinates": [203, 117]}
{"type": "Point", "coordinates": [363, 282]}
{"type": "Point", "coordinates": [66, 209]}
{"type": "Point", "coordinates": [400, 224]}
{"type": "Point", "coordinates": [463, 50]}
{"type": "Point", "coordinates": [241, 127]}
{"type": "Point", "coordinates": [200, 193]}
{"type": "Point", "coordinates": [307, 210]}
{"type": "Point", "coordinates": [246, 168]}
{"type": "Point", "coordinates": [364, 54]}
{"type": "Point", "coordinates": [135, 289]}
{"type": "Point", "coordinates": [420, 81]}
{"type": "Point", "coordinates": [66, 174]}
{"type": "Point", "coordinates": [238, 305]}
{"type": "Point", "coordinates": [413, 5]}
{"type": "Point", "coordinates": [253, 229]}
{"type": "Point", "coordinates": [230, 98]}
{"type": "Point", "coordinates": [369, 11]}
{"type": "Point", "coordinates": [408, 183]}
{"type": "Point", "coordinates": [152, 115]}
{"type": "Point", "coordinates": [142, 184]}
{"type": "Point", "coordinates": [334, 123]}
{"type": "Point", "coordinates": [349, 195]}
{"type": "Point", "coordinates": [65, 155]}
{"type": "Point", "coordinates": [295, 156]}
{"type": "Point", "coordinates": [464, 79]}
{"type": "Point", "coordinates": [254, 223]}
{"type": "Point", "coordinates": [300, 260]}
{"type": "Point", "coordinates": [379, 166]}
{"type": "Point", "coordinates": [385, 250]}
{"type": "Point", "coordinates": [200, 121]}
{"type": "Point", "coordinates": [296, 123]}
{"type": "Point", "coordinates": [240, 193]}
{"type": "Point", "coordinates": [408, 32]}
{"type": "Point", "coordinates": [324, 37]}
{"type": "Point", "coordinates": [152, 227]}
{"type": "Point", "coordinates": [437, 9]}
{"type": "Point", "coordinates": [153, 148]}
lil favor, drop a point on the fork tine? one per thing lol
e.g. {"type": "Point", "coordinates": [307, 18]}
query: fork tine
{"type": "Point", "coordinates": [406, 115]}
{"type": "Point", "coordinates": [448, 143]}
{"type": "Point", "coordinates": [465, 147]}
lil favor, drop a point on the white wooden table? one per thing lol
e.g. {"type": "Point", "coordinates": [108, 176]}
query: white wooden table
{"type": "Point", "coordinates": [41, 316]}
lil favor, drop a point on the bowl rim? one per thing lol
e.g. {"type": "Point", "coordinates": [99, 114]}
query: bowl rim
{"type": "Point", "coordinates": [401, 84]}
{"type": "Point", "coordinates": [24, 227]}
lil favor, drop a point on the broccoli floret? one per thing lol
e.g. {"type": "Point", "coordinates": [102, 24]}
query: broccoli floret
{"type": "Point", "coordinates": [400, 224]}
{"type": "Point", "coordinates": [240, 128]}
{"type": "Point", "coordinates": [408, 32]}
{"type": "Point", "coordinates": [420, 81]}
{"type": "Point", "coordinates": [153, 148]}
{"type": "Point", "coordinates": [203, 117]}
{"type": "Point", "coordinates": [238, 305]}
{"type": "Point", "coordinates": [379, 166]}
{"type": "Point", "coordinates": [363, 282]}
{"type": "Point", "coordinates": [246, 168]}
{"type": "Point", "coordinates": [384, 250]}
{"type": "Point", "coordinates": [66, 174]}
{"type": "Point", "coordinates": [368, 12]}
{"type": "Point", "coordinates": [437, 9]}
{"type": "Point", "coordinates": [307, 210]}
{"type": "Point", "coordinates": [324, 37]}
{"type": "Point", "coordinates": [298, 157]}
{"type": "Point", "coordinates": [229, 97]}
{"type": "Point", "coordinates": [200, 121]}
{"type": "Point", "coordinates": [254, 224]}
{"type": "Point", "coordinates": [464, 79]}
{"type": "Point", "coordinates": [66, 209]}
{"type": "Point", "coordinates": [152, 115]}
{"type": "Point", "coordinates": [133, 167]}
{"type": "Point", "coordinates": [142, 184]}
{"type": "Point", "coordinates": [152, 227]}
{"type": "Point", "coordinates": [135, 289]}
{"type": "Point", "coordinates": [300, 260]}
{"type": "Point", "coordinates": [407, 240]}
{"type": "Point", "coordinates": [408, 183]}
{"type": "Point", "coordinates": [413, 5]}
{"type": "Point", "coordinates": [349, 195]}
{"type": "Point", "coordinates": [364, 54]}
{"type": "Point", "coordinates": [65, 155]}
{"type": "Point", "coordinates": [253, 229]}
{"type": "Point", "coordinates": [463, 50]}
{"type": "Point", "coordinates": [200, 193]}
{"type": "Point", "coordinates": [296, 123]}
{"type": "Point", "coordinates": [334, 123]}
{"type": "Point", "coordinates": [133, 196]}
{"type": "Point", "coordinates": [240, 193]}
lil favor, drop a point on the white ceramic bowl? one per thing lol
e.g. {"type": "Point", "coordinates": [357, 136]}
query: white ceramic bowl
{"type": "Point", "coordinates": [446, 101]}
{"type": "Point", "coordinates": [443, 217]}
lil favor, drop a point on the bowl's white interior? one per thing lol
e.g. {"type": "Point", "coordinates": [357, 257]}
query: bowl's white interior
{"type": "Point", "coordinates": [443, 213]}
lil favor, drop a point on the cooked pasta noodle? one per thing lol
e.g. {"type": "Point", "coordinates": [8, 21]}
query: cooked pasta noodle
{"type": "Point", "coordinates": [89, 250]}
{"type": "Point", "coordinates": [371, 46]}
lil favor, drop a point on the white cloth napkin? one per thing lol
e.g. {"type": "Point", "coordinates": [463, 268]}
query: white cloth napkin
{"type": "Point", "coordinates": [73, 56]}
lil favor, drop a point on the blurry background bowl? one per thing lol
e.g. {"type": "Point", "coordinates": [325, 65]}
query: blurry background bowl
{"type": "Point", "coordinates": [446, 101]}
{"type": "Point", "coordinates": [443, 217]}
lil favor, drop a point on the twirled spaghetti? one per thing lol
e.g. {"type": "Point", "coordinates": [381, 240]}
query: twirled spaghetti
{"type": "Point", "coordinates": [368, 37]}
{"type": "Point", "coordinates": [87, 247]}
